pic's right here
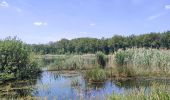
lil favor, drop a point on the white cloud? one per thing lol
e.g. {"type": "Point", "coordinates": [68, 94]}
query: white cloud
{"type": "Point", "coordinates": [156, 16]}
{"type": "Point", "coordinates": [153, 17]}
{"type": "Point", "coordinates": [4, 4]}
{"type": "Point", "coordinates": [40, 23]}
{"type": "Point", "coordinates": [92, 24]}
{"type": "Point", "coordinates": [167, 7]}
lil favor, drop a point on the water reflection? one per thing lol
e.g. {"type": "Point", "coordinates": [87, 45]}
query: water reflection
{"type": "Point", "coordinates": [18, 88]}
{"type": "Point", "coordinates": [76, 87]}
{"type": "Point", "coordinates": [63, 86]}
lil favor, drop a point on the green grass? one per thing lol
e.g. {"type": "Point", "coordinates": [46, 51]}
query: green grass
{"type": "Point", "coordinates": [101, 59]}
{"type": "Point", "coordinates": [96, 75]}
{"type": "Point", "coordinates": [143, 62]}
{"type": "Point", "coordinates": [155, 92]}
{"type": "Point", "coordinates": [124, 63]}
{"type": "Point", "coordinates": [73, 62]}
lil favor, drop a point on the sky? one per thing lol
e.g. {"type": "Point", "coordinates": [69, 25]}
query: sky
{"type": "Point", "coordinates": [41, 21]}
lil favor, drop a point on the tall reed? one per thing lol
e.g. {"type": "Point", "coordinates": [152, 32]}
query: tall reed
{"type": "Point", "coordinates": [155, 92]}
{"type": "Point", "coordinates": [144, 61]}
{"type": "Point", "coordinates": [73, 62]}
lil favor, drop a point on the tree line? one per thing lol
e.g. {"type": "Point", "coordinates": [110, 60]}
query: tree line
{"type": "Point", "coordinates": [106, 45]}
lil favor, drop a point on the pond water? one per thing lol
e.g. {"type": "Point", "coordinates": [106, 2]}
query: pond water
{"type": "Point", "coordinates": [54, 85]}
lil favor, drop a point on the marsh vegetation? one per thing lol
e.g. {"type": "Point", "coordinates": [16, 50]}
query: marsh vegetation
{"type": "Point", "coordinates": [87, 68]}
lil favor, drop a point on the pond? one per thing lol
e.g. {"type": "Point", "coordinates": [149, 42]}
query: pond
{"type": "Point", "coordinates": [71, 85]}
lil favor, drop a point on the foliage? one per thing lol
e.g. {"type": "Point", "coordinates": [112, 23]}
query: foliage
{"type": "Point", "coordinates": [106, 45]}
{"type": "Point", "coordinates": [143, 60]}
{"type": "Point", "coordinates": [15, 60]}
{"type": "Point", "coordinates": [72, 62]}
{"type": "Point", "coordinates": [96, 75]}
{"type": "Point", "coordinates": [101, 59]}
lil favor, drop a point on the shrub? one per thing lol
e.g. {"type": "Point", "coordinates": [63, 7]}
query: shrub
{"type": "Point", "coordinates": [15, 60]}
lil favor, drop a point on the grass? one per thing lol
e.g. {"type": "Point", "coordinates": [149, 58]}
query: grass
{"type": "Point", "coordinates": [155, 92]}
{"type": "Point", "coordinates": [101, 59]}
{"type": "Point", "coordinates": [96, 75]}
{"type": "Point", "coordinates": [72, 62]}
{"type": "Point", "coordinates": [143, 62]}
{"type": "Point", "coordinates": [123, 63]}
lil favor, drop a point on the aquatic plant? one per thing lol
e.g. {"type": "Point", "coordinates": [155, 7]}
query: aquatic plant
{"type": "Point", "coordinates": [75, 83]}
{"type": "Point", "coordinates": [96, 75]}
{"type": "Point", "coordinates": [143, 61]}
{"type": "Point", "coordinates": [73, 62]}
{"type": "Point", "coordinates": [101, 59]}
{"type": "Point", "coordinates": [156, 92]}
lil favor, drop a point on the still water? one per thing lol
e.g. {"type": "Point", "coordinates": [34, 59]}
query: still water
{"type": "Point", "coordinates": [54, 85]}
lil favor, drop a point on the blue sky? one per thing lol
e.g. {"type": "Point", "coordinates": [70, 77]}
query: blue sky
{"type": "Point", "coordinates": [41, 21]}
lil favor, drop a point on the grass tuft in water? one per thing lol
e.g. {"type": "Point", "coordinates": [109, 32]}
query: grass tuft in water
{"type": "Point", "coordinates": [96, 75]}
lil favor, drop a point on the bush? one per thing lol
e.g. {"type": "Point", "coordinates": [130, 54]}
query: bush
{"type": "Point", "coordinates": [15, 60]}
{"type": "Point", "coordinates": [101, 59]}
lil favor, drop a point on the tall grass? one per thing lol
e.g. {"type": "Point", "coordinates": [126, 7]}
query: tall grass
{"type": "Point", "coordinates": [73, 62]}
{"type": "Point", "coordinates": [101, 59]}
{"type": "Point", "coordinates": [155, 92]}
{"type": "Point", "coordinates": [143, 61]}
{"type": "Point", "coordinates": [96, 75]}
{"type": "Point", "coordinates": [130, 62]}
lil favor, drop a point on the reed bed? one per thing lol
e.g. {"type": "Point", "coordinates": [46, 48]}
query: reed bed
{"type": "Point", "coordinates": [74, 62]}
{"type": "Point", "coordinates": [126, 63]}
{"type": "Point", "coordinates": [143, 61]}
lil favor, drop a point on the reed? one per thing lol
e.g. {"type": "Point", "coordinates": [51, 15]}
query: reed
{"type": "Point", "coordinates": [74, 62]}
{"type": "Point", "coordinates": [101, 59]}
{"type": "Point", "coordinates": [96, 75]}
{"type": "Point", "coordinates": [155, 92]}
{"type": "Point", "coordinates": [143, 61]}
